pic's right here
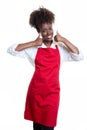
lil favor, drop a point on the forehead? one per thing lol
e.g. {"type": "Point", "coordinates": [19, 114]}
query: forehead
{"type": "Point", "coordinates": [46, 25]}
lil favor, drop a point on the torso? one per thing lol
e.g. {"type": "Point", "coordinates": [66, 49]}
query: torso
{"type": "Point", "coordinates": [44, 89]}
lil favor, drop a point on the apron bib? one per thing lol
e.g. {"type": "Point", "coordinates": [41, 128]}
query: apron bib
{"type": "Point", "coordinates": [43, 94]}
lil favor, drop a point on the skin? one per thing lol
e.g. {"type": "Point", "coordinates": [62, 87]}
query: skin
{"type": "Point", "coordinates": [46, 31]}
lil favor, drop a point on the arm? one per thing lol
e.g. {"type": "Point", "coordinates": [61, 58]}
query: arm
{"type": "Point", "coordinates": [67, 55]}
{"type": "Point", "coordinates": [37, 42]}
{"type": "Point", "coordinates": [68, 44]}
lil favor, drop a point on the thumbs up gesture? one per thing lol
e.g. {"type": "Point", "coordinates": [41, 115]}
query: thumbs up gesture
{"type": "Point", "coordinates": [57, 37]}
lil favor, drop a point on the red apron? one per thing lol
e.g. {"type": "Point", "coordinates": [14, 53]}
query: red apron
{"type": "Point", "coordinates": [43, 95]}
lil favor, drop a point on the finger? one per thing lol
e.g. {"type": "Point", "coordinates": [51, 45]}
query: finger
{"type": "Point", "coordinates": [57, 32]}
{"type": "Point", "coordinates": [40, 36]}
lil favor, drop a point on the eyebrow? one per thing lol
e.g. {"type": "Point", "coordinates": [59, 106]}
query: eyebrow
{"type": "Point", "coordinates": [46, 28]}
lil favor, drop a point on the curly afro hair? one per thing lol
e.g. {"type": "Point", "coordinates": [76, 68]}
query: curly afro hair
{"type": "Point", "coordinates": [40, 16]}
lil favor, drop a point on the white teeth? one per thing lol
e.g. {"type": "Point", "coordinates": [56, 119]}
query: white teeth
{"type": "Point", "coordinates": [49, 36]}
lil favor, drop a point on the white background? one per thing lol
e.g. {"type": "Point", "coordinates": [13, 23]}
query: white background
{"type": "Point", "coordinates": [15, 73]}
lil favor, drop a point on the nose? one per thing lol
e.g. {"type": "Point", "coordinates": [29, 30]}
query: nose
{"type": "Point", "coordinates": [49, 32]}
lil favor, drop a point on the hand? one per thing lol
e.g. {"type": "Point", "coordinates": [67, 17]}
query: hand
{"type": "Point", "coordinates": [68, 44]}
{"type": "Point", "coordinates": [38, 41]}
{"type": "Point", "coordinates": [58, 37]}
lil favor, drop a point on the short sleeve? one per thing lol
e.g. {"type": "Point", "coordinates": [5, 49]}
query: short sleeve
{"type": "Point", "coordinates": [66, 55]}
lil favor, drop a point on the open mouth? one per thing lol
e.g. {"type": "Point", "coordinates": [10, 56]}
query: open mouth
{"type": "Point", "coordinates": [49, 37]}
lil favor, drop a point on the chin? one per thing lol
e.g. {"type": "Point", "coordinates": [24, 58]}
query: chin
{"type": "Point", "coordinates": [48, 40]}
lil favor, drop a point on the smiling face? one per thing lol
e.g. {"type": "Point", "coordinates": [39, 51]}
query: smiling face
{"type": "Point", "coordinates": [46, 31]}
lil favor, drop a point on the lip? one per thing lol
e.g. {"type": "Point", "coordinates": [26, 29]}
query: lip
{"type": "Point", "coordinates": [49, 37]}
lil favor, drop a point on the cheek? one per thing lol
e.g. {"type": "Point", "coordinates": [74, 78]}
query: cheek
{"type": "Point", "coordinates": [44, 35]}
{"type": "Point", "coordinates": [52, 31]}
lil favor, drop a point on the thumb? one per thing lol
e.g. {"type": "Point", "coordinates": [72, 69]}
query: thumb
{"type": "Point", "coordinates": [40, 36]}
{"type": "Point", "coordinates": [57, 32]}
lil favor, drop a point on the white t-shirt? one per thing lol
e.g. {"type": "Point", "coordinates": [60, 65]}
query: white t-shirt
{"type": "Point", "coordinates": [30, 53]}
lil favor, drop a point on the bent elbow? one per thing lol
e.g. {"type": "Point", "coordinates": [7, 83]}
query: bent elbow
{"type": "Point", "coordinates": [18, 48]}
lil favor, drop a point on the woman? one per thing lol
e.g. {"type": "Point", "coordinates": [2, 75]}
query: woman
{"type": "Point", "coordinates": [43, 96]}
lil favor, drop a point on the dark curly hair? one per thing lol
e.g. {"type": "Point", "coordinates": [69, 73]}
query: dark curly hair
{"type": "Point", "coordinates": [40, 16]}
